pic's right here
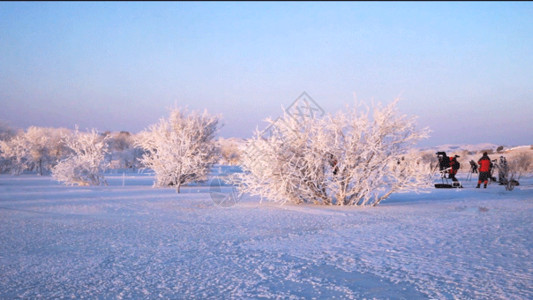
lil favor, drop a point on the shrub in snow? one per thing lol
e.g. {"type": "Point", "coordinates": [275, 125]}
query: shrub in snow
{"type": "Point", "coordinates": [429, 157]}
{"type": "Point", "coordinates": [38, 145]}
{"type": "Point", "coordinates": [86, 163]}
{"type": "Point", "coordinates": [518, 165]}
{"type": "Point", "coordinates": [57, 148]}
{"type": "Point", "coordinates": [350, 158]}
{"type": "Point", "coordinates": [181, 149]}
{"type": "Point", "coordinates": [230, 151]}
{"type": "Point", "coordinates": [45, 147]}
{"type": "Point", "coordinates": [14, 153]}
{"type": "Point", "coordinates": [125, 159]}
{"type": "Point", "coordinates": [122, 152]}
{"type": "Point", "coordinates": [36, 149]}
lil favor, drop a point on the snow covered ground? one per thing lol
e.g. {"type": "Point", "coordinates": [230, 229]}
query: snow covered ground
{"type": "Point", "coordinates": [129, 240]}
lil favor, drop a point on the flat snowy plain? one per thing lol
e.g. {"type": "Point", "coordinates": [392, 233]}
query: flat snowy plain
{"type": "Point", "coordinates": [129, 240]}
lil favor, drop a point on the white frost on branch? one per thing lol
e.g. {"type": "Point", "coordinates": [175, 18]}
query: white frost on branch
{"type": "Point", "coordinates": [15, 153]}
{"type": "Point", "coordinates": [181, 149]}
{"type": "Point", "coordinates": [36, 149]}
{"type": "Point", "coordinates": [518, 165]}
{"type": "Point", "coordinates": [346, 159]}
{"type": "Point", "coordinates": [86, 164]}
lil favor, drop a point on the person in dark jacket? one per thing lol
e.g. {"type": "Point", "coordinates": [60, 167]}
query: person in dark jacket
{"type": "Point", "coordinates": [473, 166]}
{"type": "Point", "coordinates": [484, 170]}
{"type": "Point", "coordinates": [454, 165]}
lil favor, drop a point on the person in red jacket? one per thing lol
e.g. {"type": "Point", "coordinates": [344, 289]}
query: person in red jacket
{"type": "Point", "coordinates": [484, 170]}
{"type": "Point", "coordinates": [454, 165]}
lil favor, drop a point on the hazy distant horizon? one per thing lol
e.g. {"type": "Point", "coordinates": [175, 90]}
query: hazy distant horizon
{"type": "Point", "coordinates": [464, 68]}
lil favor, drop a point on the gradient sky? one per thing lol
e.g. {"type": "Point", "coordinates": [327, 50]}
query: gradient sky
{"type": "Point", "coordinates": [464, 68]}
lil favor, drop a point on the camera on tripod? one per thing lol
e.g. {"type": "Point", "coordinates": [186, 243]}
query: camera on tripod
{"type": "Point", "coordinates": [446, 167]}
{"type": "Point", "coordinates": [444, 161]}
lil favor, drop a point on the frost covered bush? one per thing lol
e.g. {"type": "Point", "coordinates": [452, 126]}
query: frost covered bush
{"type": "Point", "coordinates": [122, 152]}
{"type": "Point", "coordinates": [351, 158]}
{"type": "Point", "coordinates": [86, 163]}
{"type": "Point", "coordinates": [45, 147]}
{"type": "Point", "coordinates": [429, 157]}
{"type": "Point", "coordinates": [180, 149]}
{"type": "Point", "coordinates": [36, 149]}
{"type": "Point", "coordinates": [518, 165]}
{"type": "Point", "coordinates": [14, 154]}
{"type": "Point", "coordinates": [230, 151]}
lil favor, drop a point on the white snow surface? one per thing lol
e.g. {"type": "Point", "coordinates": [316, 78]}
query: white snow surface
{"type": "Point", "coordinates": [135, 241]}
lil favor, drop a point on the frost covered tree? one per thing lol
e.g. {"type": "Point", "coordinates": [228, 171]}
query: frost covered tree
{"type": "Point", "coordinates": [229, 151]}
{"type": "Point", "coordinates": [6, 134]}
{"type": "Point", "coordinates": [39, 145]}
{"type": "Point", "coordinates": [180, 149]}
{"type": "Point", "coordinates": [57, 149]}
{"type": "Point", "coordinates": [86, 163]}
{"type": "Point", "coordinates": [36, 149]}
{"type": "Point", "coordinates": [14, 153]}
{"type": "Point", "coordinates": [122, 152]}
{"type": "Point", "coordinates": [518, 165]}
{"type": "Point", "coordinates": [357, 157]}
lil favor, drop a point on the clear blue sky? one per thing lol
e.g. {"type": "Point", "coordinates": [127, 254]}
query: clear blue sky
{"type": "Point", "coordinates": [465, 68]}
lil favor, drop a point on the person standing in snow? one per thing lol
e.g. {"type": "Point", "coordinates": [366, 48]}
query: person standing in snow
{"type": "Point", "coordinates": [454, 165]}
{"type": "Point", "coordinates": [484, 170]}
{"type": "Point", "coordinates": [473, 166]}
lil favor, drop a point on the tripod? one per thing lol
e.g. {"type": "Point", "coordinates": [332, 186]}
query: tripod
{"type": "Point", "coordinates": [473, 169]}
{"type": "Point", "coordinates": [445, 182]}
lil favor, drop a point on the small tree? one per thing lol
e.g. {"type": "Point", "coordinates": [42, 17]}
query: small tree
{"type": "Point", "coordinates": [37, 149]}
{"type": "Point", "coordinates": [15, 154]}
{"type": "Point", "coordinates": [86, 163]}
{"type": "Point", "coordinates": [346, 159]}
{"type": "Point", "coordinates": [38, 146]}
{"type": "Point", "coordinates": [58, 150]}
{"type": "Point", "coordinates": [181, 149]}
{"type": "Point", "coordinates": [6, 134]}
{"type": "Point", "coordinates": [122, 152]}
{"type": "Point", "coordinates": [229, 151]}
{"type": "Point", "coordinates": [518, 165]}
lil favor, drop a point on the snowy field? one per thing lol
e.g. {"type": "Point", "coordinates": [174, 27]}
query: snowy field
{"type": "Point", "coordinates": [129, 240]}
